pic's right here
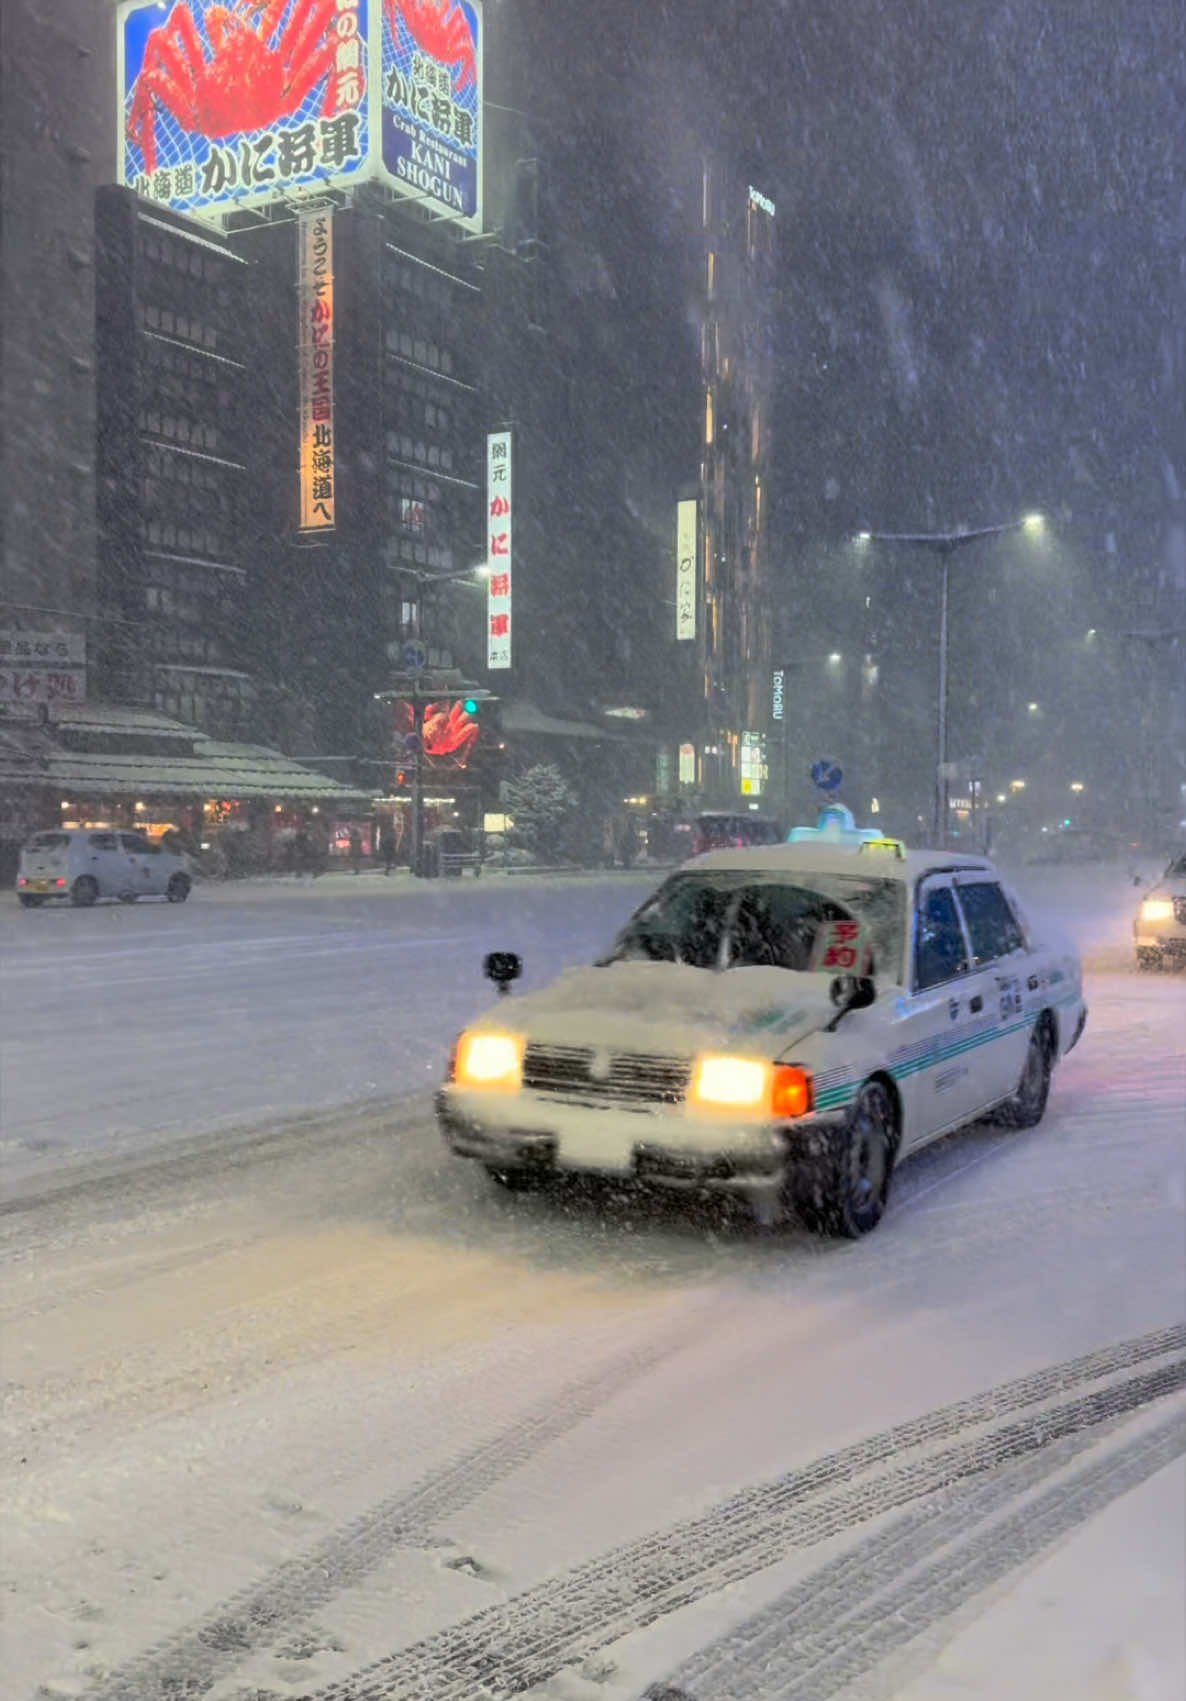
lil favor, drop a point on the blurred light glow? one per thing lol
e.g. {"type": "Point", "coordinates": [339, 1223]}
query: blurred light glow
{"type": "Point", "coordinates": [1016, 785]}
{"type": "Point", "coordinates": [1034, 524]}
{"type": "Point", "coordinates": [1076, 785]}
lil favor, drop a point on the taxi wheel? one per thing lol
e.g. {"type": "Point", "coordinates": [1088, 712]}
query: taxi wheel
{"type": "Point", "coordinates": [177, 890]}
{"type": "Point", "coordinates": [849, 1199]}
{"type": "Point", "coordinates": [84, 891]}
{"type": "Point", "coordinates": [1027, 1107]}
{"type": "Point", "coordinates": [1148, 957]}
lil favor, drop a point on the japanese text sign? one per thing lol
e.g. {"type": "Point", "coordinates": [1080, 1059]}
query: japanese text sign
{"type": "Point", "coordinates": [432, 105]}
{"type": "Point", "coordinates": [42, 667]}
{"type": "Point", "coordinates": [499, 551]}
{"type": "Point", "coordinates": [685, 569]}
{"type": "Point", "coordinates": [842, 948]}
{"type": "Point", "coordinates": [315, 359]}
{"type": "Point", "coordinates": [236, 105]}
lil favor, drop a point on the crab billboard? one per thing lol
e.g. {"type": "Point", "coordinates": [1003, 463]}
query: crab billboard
{"type": "Point", "coordinates": [236, 104]}
{"type": "Point", "coordinates": [432, 105]}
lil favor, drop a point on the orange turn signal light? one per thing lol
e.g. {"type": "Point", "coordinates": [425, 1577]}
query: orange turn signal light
{"type": "Point", "coordinates": [790, 1093]}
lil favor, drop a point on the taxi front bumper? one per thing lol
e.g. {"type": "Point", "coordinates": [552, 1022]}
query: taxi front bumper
{"type": "Point", "coordinates": [667, 1148]}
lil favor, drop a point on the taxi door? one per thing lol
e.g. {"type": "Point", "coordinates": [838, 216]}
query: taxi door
{"type": "Point", "coordinates": [1001, 956]}
{"type": "Point", "coordinates": [942, 1020]}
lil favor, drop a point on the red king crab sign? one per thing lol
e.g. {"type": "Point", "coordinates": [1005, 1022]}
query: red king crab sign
{"type": "Point", "coordinates": [234, 103]}
{"type": "Point", "coordinates": [239, 103]}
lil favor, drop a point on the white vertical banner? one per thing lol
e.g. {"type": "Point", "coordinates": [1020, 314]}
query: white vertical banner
{"type": "Point", "coordinates": [315, 359]}
{"type": "Point", "coordinates": [685, 569]}
{"type": "Point", "coordinates": [499, 548]}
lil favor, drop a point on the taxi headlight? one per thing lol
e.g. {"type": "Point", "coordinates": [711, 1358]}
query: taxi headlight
{"type": "Point", "coordinates": [750, 1083]}
{"type": "Point", "coordinates": [489, 1061]}
{"type": "Point", "coordinates": [1157, 909]}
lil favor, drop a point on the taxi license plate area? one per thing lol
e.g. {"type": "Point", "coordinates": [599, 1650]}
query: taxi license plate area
{"type": "Point", "coordinates": [37, 886]}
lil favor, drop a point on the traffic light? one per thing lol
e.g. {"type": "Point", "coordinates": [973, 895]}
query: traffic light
{"type": "Point", "coordinates": [470, 706]}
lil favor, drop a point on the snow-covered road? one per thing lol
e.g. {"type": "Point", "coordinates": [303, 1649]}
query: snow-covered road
{"type": "Point", "coordinates": [294, 1405]}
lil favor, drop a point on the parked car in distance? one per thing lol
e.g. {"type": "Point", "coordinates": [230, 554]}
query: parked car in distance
{"type": "Point", "coordinates": [80, 865]}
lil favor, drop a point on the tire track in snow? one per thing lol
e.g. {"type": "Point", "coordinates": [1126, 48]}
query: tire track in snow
{"type": "Point", "coordinates": [188, 1663]}
{"type": "Point", "coordinates": [506, 1650]}
{"type": "Point", "coordinates": [848, 1616]}
{"type": "Point", "coordinates": [830, 1632]}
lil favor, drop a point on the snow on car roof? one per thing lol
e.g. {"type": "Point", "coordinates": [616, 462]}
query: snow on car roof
{"type": "Point", "coordinates": [816, 857]}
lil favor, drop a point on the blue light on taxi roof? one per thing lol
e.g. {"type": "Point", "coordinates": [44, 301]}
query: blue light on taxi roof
{"type": "Point", "coordinates": [837, 826]}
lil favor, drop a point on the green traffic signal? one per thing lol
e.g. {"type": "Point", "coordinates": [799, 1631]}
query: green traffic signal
{"type": "Point", "coordinates": [470, 706]}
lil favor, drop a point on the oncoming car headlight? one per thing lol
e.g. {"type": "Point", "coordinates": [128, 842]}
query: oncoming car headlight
{"type": "Point", "coordinates": [1157, 909]}
{"type": "Point", "coordinates": [750, 1083]}
{"type": "Point", "coordinates": [488, 1060]}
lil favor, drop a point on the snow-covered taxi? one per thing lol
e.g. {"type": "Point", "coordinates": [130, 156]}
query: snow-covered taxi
{"type": "Point", "coordinates": [1159, 929]}
{"type": "Point", "coordinates": [786, 1022]}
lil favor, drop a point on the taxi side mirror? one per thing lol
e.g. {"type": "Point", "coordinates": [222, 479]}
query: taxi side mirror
{"type": "Point", "coordinates": [852, 992]}
{"type": "Point", "coordinates": [502, 967]}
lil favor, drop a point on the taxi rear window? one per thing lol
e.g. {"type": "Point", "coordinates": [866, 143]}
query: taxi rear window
{"type": "Point", "coordinates": [48, 841]}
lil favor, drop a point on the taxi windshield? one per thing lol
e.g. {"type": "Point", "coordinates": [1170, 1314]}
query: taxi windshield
{"type": "Point", "coordinates": [732, 918]}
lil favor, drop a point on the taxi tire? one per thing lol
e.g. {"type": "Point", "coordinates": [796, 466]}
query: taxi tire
{"type": "Point", "coordinates": [1149, 957]}
{"type": "Point", "coordinates": [177, 891]}
{"type": "Point", "coordinates": [848, 1198]}
{"type": "Point", "coordinates": [1027, 1107]}
{"type": "Point", "coordinates": [84, 892]}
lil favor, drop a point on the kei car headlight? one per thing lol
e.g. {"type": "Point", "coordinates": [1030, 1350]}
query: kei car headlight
{"type": "Point", "coordinates": [751, 1083]}
{"type": "Point", "coordinates": [489, 1060]}
{"type": "Point", "coordinates": [1157, 909]}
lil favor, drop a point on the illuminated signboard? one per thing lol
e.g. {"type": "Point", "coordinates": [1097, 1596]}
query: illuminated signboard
{"type": "Point", "coordinates": [315, 361]}
{"type": "Point", "coordinates": [499, 518]}
{"type": "Point", "coordinates": [763, 202]}
{"type": "Point", "coordinates": [432, 105]}
{"type": "Point", "coordinates": [685, 569]}
{"type": "Point", "coordinates": [233, 105]}
{"type": "Point", "coordinates": [753, 764]}
{"type": "Point", "coordinates": [687, 764]}
{"type": "Point", "coordinates": [778, 701]}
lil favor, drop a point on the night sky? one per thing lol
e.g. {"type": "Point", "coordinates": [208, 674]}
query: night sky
{"type": "Point", "coordinates": [982, 223]}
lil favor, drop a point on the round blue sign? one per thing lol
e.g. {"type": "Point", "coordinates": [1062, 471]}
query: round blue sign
{"type": "Point", "coordinates": [827, 775]}
{"type": "Point", "coordinates": [415, 656]}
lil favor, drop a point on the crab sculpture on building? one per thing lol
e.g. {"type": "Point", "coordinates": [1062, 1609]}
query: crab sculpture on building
{"type": "Point", "coordinates": [440, 29]}
{"type": "Point", "coordinates": [249, 71]}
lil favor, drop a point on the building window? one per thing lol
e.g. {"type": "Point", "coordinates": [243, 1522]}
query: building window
{"type": "Point", "coordinates": [709, 426]}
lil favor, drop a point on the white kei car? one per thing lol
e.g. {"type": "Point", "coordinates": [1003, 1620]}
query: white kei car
{"type": "Point", "coordinates": [83, 864]}
{"type": "Point", "coordinates": [786, 1022]}
{"type": "Point", "coordinates": [1159, 929]}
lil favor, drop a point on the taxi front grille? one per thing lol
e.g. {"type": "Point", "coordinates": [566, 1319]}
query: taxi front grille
{"type": "Point", "coordinates": [1180, 910]}
{"type": "Point", "coordinates": [587, 1072]}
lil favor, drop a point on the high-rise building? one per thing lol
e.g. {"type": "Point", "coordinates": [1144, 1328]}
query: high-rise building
{"type": "Point", "coordinates": [733, 624]}
{"type": "Point", "coordinates": [55, 146]}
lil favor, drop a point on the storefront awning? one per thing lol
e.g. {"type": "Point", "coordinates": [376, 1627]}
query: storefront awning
{"type": "Point", "coordinates": [214, 770]}
{"type": "Point", "coordinates": [525, 719]}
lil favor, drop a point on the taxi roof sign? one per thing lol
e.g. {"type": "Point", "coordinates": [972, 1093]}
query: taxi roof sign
{"type": "Point", "coordinates": [894, 847]}
{"type": "Point", "coordinates": [834, 825]}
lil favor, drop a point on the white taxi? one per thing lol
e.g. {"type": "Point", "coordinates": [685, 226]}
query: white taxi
{"type": "Point", "coordinates": [787, 1022]}
{"type": "Point", "coordinates": [1159, 930]}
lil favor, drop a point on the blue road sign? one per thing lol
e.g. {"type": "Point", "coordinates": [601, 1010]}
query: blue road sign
{"type": "Point", "coordinates": [827, 775]}
{"type": "Point", "coordinates": [415, 656]}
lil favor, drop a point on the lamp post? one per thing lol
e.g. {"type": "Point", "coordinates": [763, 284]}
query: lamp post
{"type": "Point", "coordinates": [944, 545]}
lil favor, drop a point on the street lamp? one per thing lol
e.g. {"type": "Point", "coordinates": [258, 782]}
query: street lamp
{"type": "Point", "coordinates": [944, 545]}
